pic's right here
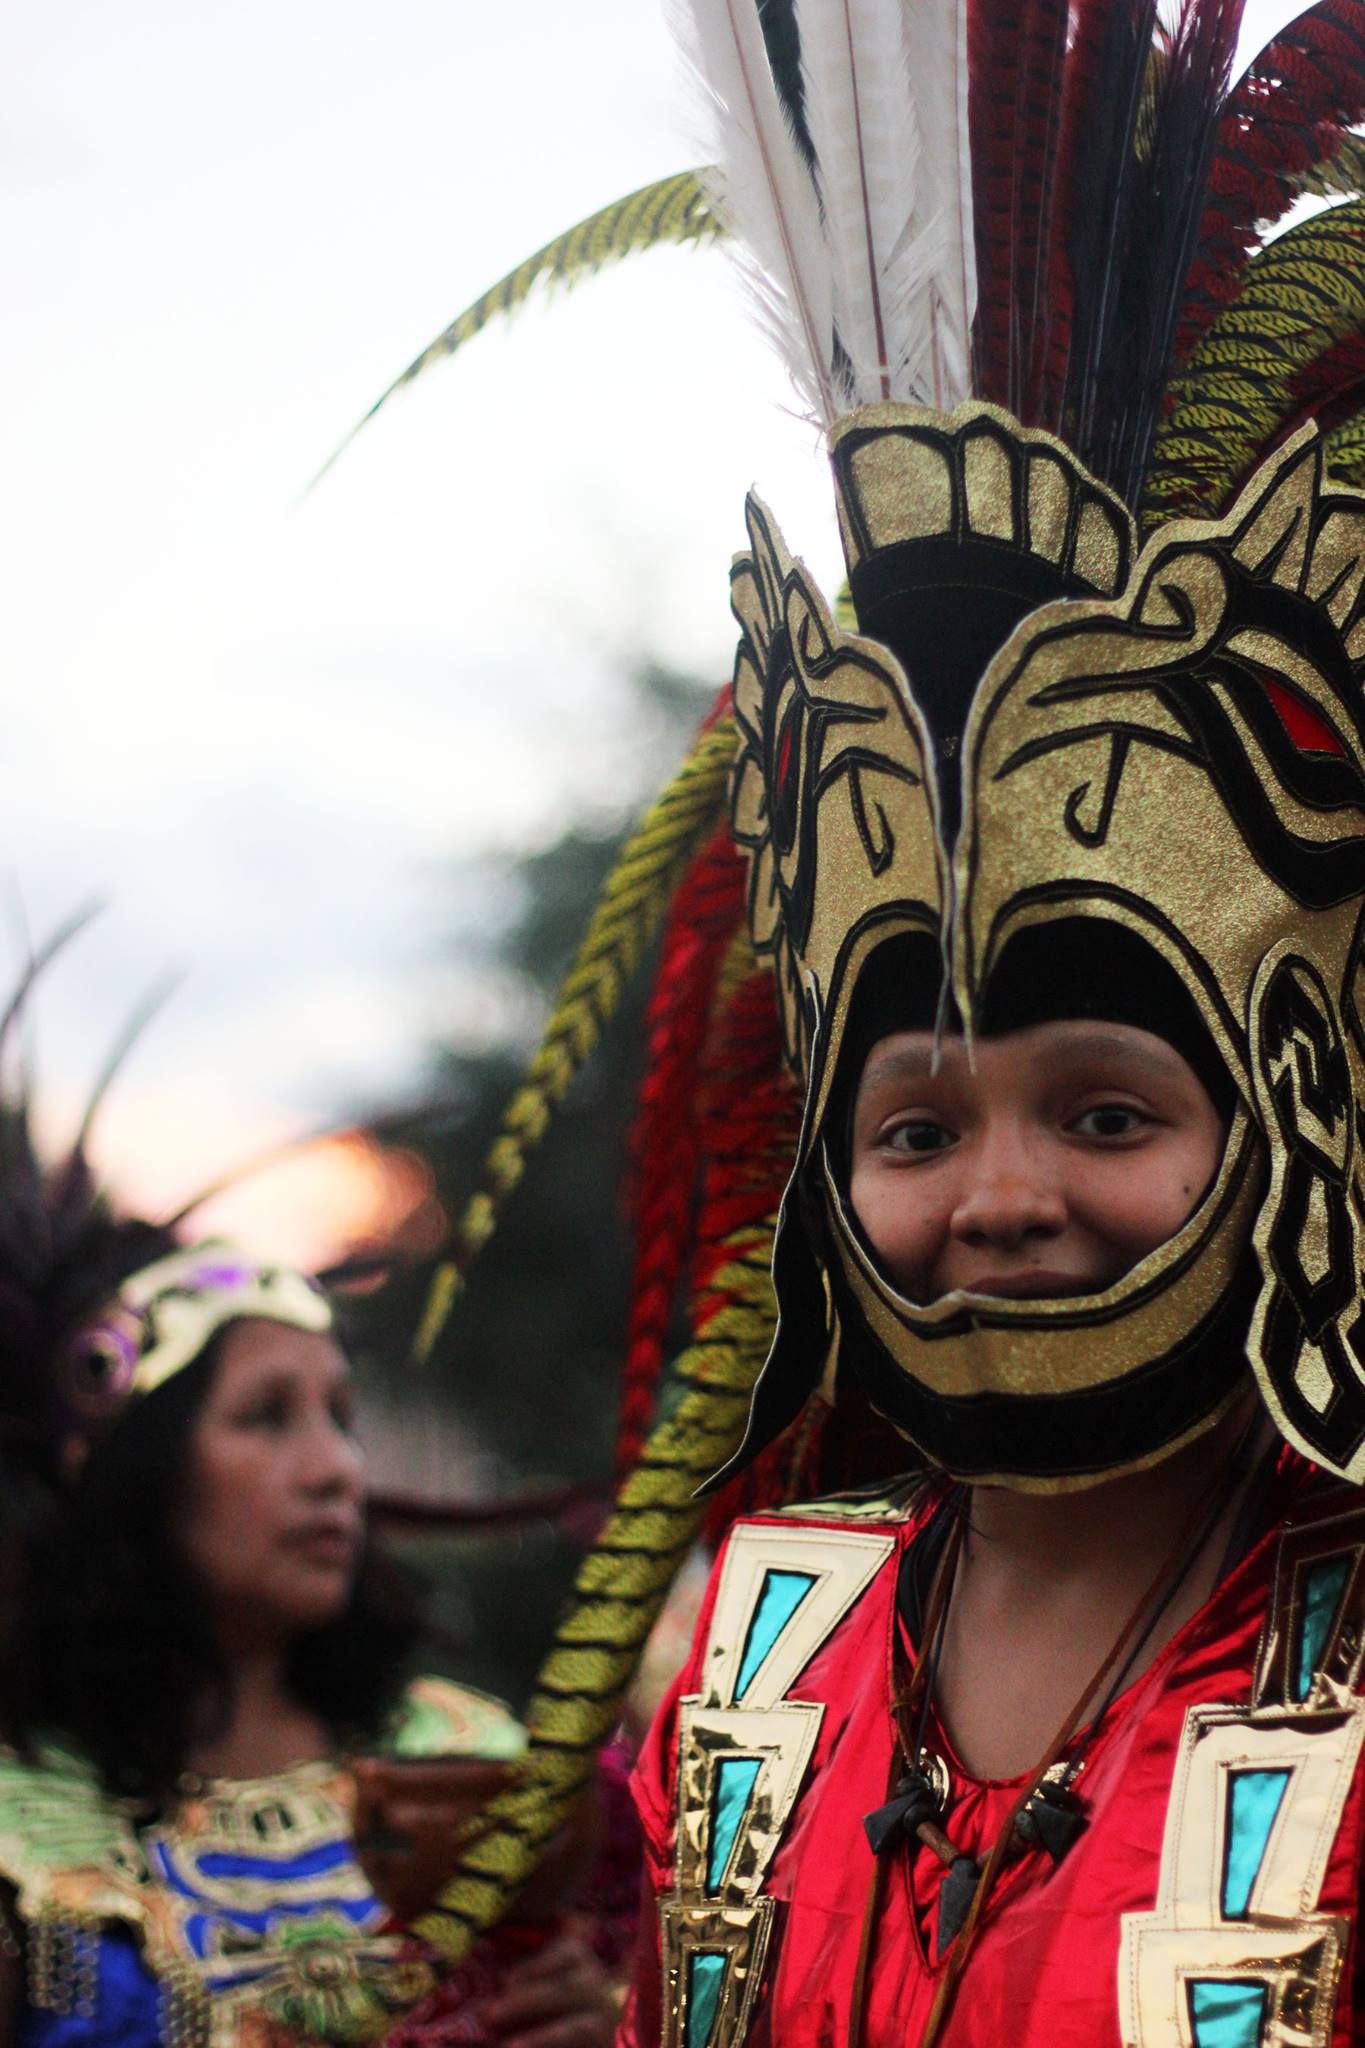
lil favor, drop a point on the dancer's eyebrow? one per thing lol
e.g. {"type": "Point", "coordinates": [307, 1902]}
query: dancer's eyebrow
{"type": "Point", "coordinates": [1092, 1042]}
{"type": "Point", "coordinates": [1082, 1041]}
{"type": "Point", "coordinates": [901, 1063]}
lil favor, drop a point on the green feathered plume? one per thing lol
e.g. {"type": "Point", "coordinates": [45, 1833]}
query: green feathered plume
{"type": "Point", "coordinates": [1344, 449]}
{"type": "Point", "coordinates": [632, 906]}
{"type": "Point", "coordinates": [674, 209]}
{"type": "Point", "coordinates": [1304, 292]}
{"type": "Point", "coordinates": [1342, 175]}
{"type": "Point", "coordinates": [619, 1592]}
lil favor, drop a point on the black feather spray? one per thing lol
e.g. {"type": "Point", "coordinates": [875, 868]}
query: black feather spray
{"type": "Point", "coordinates": [1139, 132]}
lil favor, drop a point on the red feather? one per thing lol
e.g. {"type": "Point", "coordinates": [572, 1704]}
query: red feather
{"type": "Point", "coordinates": [752, 1124]}
{"type": "Point", "coordinates": [1089, 149]}
{"type": "Point", "coordinates": [706, 912]}
{"type": "Point", "coordinates": [1288, 112]}
{"type": "Point", "coordinates": [1016, 69]}
{"type": "Point", "coordinates": [750, 1121]}
{"type": "Point", "coordinates": [743, 1110]}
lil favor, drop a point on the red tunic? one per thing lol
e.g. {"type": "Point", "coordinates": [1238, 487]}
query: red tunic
{"type": "Point", "coordinates": [1209, 1903]}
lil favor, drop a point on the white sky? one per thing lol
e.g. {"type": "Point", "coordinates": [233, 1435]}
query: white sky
{"type": "Point", "coordinates": [261, 727]}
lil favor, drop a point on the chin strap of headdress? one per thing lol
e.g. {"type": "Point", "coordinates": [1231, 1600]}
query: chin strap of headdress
{"type": "Point", "coordinates": [1083, 181]}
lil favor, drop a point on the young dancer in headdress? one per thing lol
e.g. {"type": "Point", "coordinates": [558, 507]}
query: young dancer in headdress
{"type": "Point", "coordinates": [1053, 837]}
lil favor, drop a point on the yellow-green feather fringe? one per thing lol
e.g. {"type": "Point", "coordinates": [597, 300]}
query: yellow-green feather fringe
{"type": "Point", "coordinates": [628, 914]}
{"type": "Point", "coordinates": [620, 1589]}
{"type": "Point", "coordinates": [1341, 173]}
{"type": "Point", "coordinates": [675, 209]}
{"type": "Point", "coordinates": [1303, 291]}
{"type": "Point", "coordinates": [1344, 451]}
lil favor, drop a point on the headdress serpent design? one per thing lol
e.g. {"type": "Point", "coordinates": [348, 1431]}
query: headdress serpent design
{"type": "Point", "coordinates": [1180, 753]}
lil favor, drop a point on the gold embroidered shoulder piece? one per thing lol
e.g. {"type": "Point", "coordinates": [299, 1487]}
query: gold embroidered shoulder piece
{"type": "Point", "coordinates": [744, 1748]}
{"type": "Point", "coordinates": [880, 1502]}
{"type": "Point", "coordinates": [65, 1846]}
{"type": "Point", "coordinates": [1238, 1952]}
{"type": "Point", "coordinates": [246, 1899]}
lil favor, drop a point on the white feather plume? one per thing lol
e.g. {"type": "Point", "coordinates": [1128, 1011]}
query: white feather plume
{"type": "Point", "coordinates": [886, 104]}
{"type": "Point", "coordinates": [863, 271]}
{"type": "Point", "coordinates": [939, 69]}
{"type": "Point", "coordinates": [765, 193]}
{"type": "Point", "coordinates": [856, 74]}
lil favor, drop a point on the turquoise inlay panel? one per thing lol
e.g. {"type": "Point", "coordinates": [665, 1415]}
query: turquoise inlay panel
{"type": "Point", "coordinates": [1253, 1802]}
{"type": "Point", "coordinates": [731, 1787]}
{"type": "Point", "coordinates": [1224, 2015]}
{"type": "Point", "coordinates": [1321, 1587]}
{"type": "Point", "coordinates": [778, 1600]}
{"type": "Point", "coordinates": [705, 1976]}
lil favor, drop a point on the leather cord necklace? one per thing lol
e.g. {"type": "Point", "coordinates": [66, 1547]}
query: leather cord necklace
{"type": "Point", "coordinates": [914, 1811]}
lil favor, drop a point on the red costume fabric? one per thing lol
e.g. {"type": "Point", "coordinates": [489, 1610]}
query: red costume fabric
{"type": "Point", "coordinates": [1210, 1901]}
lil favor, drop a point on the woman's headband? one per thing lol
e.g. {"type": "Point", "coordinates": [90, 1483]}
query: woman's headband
{"type": "Point", "coordinates": [164, 1316]}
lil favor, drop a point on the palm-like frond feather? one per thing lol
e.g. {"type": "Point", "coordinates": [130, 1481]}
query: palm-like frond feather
{"type": "Point", "coordinates": [674, 209]}
{"type": "Point", "coordinates": [618, 1593]}
{"type": "Point", "coordinates": [749, 1120]}
{"type": "Point", "coordinates": [1344, 449]}
{"type": "Point", "coordinates": [630, 910]}
{"type": "Point", "coordinates": [1304, 295]}
{"type": "Point", "coordinates": [1341, 175]}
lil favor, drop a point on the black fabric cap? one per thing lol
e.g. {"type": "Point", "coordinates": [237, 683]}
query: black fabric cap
{"type": "Point", "coordinates": [945, 606]}
{"type": "Point", "coordinates": [1092, 967]}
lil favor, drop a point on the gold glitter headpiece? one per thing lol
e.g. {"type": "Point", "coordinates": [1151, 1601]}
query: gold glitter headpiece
{"type": "Point", "coordinates": [1173, 742]}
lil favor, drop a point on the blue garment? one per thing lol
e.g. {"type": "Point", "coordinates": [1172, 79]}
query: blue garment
{"type": "Point", "coordinates": [127, 2006]}
{"type": "Point", "coordinates": [245, 1900]}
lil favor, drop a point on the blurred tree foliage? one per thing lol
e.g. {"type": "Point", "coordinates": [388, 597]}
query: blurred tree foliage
{"type": "Point", "coordinates": [527, 1371]}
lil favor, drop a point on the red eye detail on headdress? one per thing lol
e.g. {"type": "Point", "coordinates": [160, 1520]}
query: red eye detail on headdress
{"type": "Point", "coordinates": [786, 748]}
{"type": "Point", "coordinates": [1309, 731]}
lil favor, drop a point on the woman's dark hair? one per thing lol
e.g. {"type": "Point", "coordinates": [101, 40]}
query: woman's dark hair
{"type": "Point", "coordinates": [107, 1645]}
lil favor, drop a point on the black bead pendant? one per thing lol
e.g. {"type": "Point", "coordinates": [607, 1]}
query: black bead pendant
{"type": "Point", "coordinates": [1053, 1819]}
{"type": "Point", "coordinates": [955, 1896]}
{"type": "Point", "coordinates": [913, 1801]}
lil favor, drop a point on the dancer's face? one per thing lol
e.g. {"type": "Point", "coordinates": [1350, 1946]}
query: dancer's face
{"type": "Point", "coordinates": [272, 1506]}
{"type": "Point", "coordinates": [1047, 1164]}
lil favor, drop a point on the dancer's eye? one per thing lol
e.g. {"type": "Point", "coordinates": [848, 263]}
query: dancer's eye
{"type": "Point", "coordinates": [921, 1136]}
{"type": "Point", "coordinates": [1111, 1120]}
{"type": "Point", "coordinates": [271, 1413]}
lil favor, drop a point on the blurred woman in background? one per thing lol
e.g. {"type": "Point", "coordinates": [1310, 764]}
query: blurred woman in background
{"type": "Point", "coordinates": [197, 1640]}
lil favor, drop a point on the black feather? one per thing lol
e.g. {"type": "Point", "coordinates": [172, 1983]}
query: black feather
{"type": "Point", "coordinates": [64, 1250]}
{"type": "Point", "coordinates": [1139, 178]}
{"type": "Point", "coordinates": [777, 19]}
